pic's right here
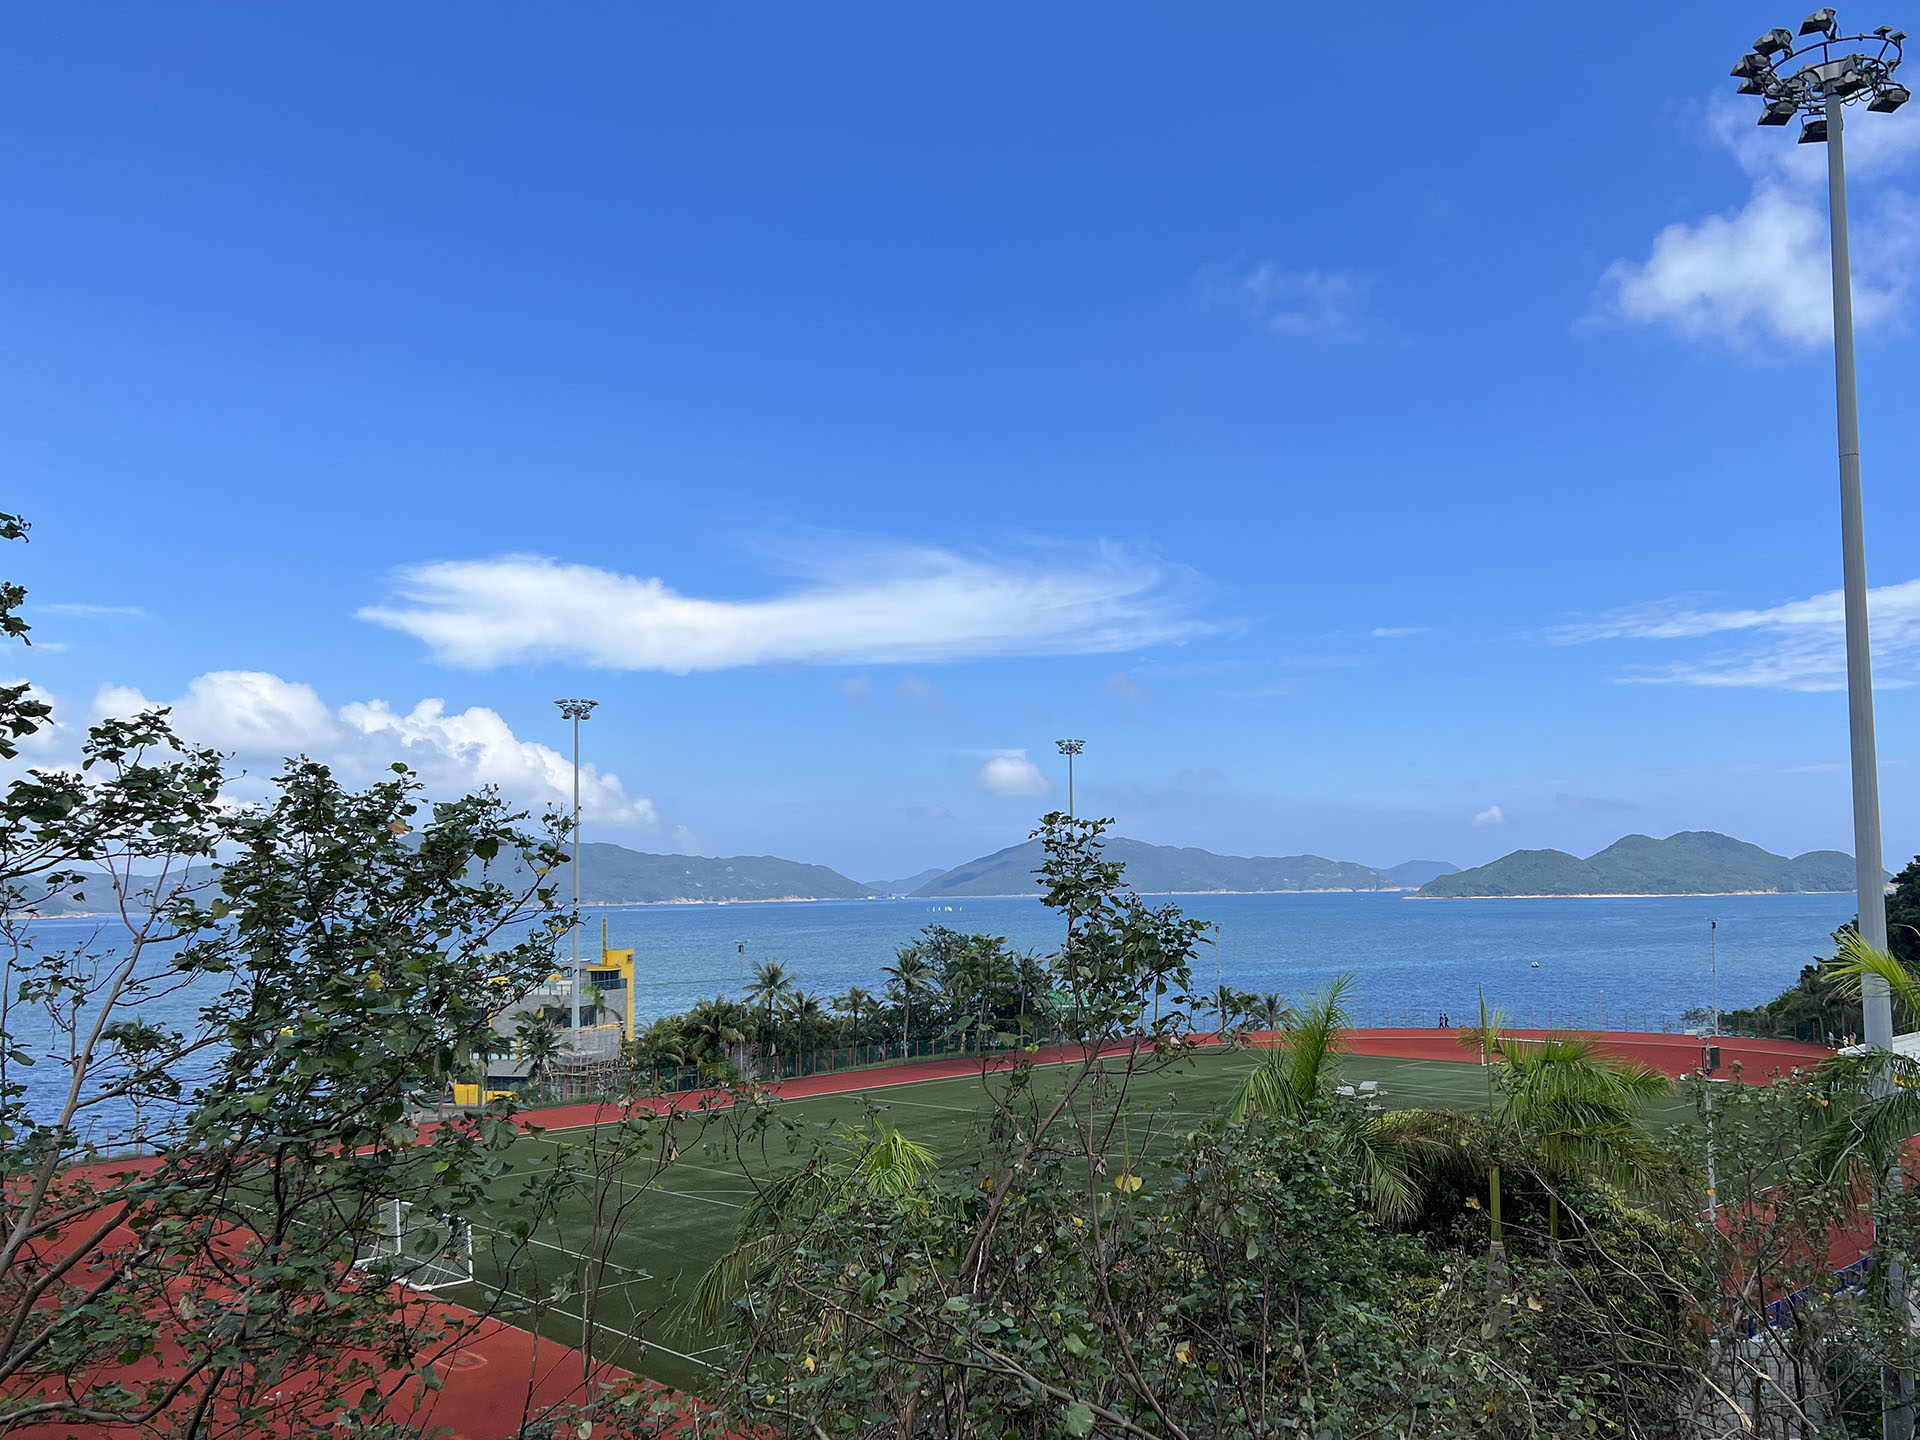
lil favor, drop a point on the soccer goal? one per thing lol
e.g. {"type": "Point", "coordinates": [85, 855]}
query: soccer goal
{"type": "Point", "coordinates": [421, 1249]}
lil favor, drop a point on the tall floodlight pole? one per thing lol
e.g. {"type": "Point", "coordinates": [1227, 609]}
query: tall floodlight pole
{"type": "Point", "coordinates": [1818, 80]}
{"type": "Point", "coordinates": [1713, 961]}
{"type": "Point", "coordinates": [576, 711]}
{"type": "Point", "coordinates": [1070, 748]}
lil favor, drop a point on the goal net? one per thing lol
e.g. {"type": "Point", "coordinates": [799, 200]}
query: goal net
{"type": "Point", "coordinates": [420, 1248]}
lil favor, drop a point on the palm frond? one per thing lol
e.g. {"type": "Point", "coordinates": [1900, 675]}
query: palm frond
{"type": "Point", "coordinates": [1857, 960]}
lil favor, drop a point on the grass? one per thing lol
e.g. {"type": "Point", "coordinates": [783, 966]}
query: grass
{"type": "Point", "coordinates": [674, 1227]}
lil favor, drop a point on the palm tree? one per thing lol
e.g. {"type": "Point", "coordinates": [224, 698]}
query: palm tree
{"type": "Point", "coordinates": [770, 984]}
{"type": "Point", "coordinates": [861, 1162]}
{"type": "Point", "coordinates": [1270, 1009]}
{"type": "Point", "coordinates": [713, 1027]}
{"type": "Point", "coordinates": [1576, 1108]}
{"type": "Point", "coordinates": [807, 1014]}
{"type": "Point", "coordinates": [1877, 1095]}
{"type": "Point", "coordinates": [1295, 1079]}
{"type": "Point", "coordinates": [853, 1003]}
{"type": "Point", "coordinates": [1579, 1110]}
{"type": "Point", "coordinates": [909, 973]}
{"type": "Point", "coordinates": [541, 1046]}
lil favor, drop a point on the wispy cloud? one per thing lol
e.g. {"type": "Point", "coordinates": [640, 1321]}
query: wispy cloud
{"type": "Point", "coordinates": [1124, 686]}
{"type": "Point", "coordinates": [75, 610]}
{"type": "Point", "coordinates": [918, 691]}
{"type": "Point", "coordinates": [1311, 304]}
{"type": "Point", "coordinates": [858, 602]}
{"type": "Point", "coordinates": [1396, 632]}
{"type": "Point", "coordinates": [1798, 645]}
{"type": "Point", "coordinates": [1761, 272]}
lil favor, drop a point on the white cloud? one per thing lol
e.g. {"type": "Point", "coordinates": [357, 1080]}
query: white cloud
{"type": "Point", "coordinates": [1492, 815]}
{"type": "Point", "coordinates": [1122, 684]}
{"type": "Point", "coordinates": [868, 602]}
{"type": "Point", "coordinates": [1798, 645]}
{"type": "Point", "coordinates": [857, 688]}
{"type": "Point", "coordinates": [1762, 271]}
{"type": "Point", "coordinates": [262, 718]}
{"type": "Point", "coordinates": [1299, 304]}
{"type": "Point", "coordinates": [1009, 772]}
{"type": "Point", "coordinates": [1396, 632]}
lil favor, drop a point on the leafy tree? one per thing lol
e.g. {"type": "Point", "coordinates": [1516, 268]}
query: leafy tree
{"type": "Point", "coordinates": [865, 1162]}
{"type": "Point", "coordinates": [274, 1026]}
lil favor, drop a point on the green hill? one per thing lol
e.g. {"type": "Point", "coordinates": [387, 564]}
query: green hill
{"type": "Point", "coordinates": [615, 875]}
{"type": "Point", "coordinates": [1692, 862]}
{"type": "Point", "coordinates": [1163, 870]}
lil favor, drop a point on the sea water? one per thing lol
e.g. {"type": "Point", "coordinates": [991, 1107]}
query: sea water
{"type": "Point", "coordinates": [1567, 961]}
{"type": "Point", "coordinates": [1599, 962]}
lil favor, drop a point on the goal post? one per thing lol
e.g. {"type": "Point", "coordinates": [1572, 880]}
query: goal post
{"type": "Point", "coordinates": [419, 1248]}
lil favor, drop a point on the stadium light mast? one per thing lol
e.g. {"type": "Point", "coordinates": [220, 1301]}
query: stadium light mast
{"type": "Point", "coordinates": [1819, 80]}
{"type": "Point", "coordinates": [1070, 748]}
{"type": "Point", "coordinates": [576, 711]}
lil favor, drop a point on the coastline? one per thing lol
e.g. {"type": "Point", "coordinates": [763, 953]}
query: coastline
{"type": "Point", "coordinates": [1404, 892]}
{"type": "Point", "coordinates": [1630, 895]}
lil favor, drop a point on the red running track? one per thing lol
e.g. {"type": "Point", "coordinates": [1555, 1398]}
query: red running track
{"type": "Point", "coordinates": [497, 1375]}
{"type": "Point", "coordinates": [1674, 1055]}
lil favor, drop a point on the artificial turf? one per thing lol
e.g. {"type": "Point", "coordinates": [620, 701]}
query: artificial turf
{"type": "Point", "coordinates": [674, 1226]}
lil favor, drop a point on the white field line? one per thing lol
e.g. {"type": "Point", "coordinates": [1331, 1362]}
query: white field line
{"type": "Point", "coordinates": [625, 1184]}
{"type": "Point", "coordinates": [615, 1330]}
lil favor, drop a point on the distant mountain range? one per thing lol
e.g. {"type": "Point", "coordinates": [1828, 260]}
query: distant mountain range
{"type": "Point", "coordinates": [1693, 862]}
{"type": "Point", "coordinates": [906, 886]}
{"type": "Point", "coordinates": [1414, 873]}
{"type": "Point", "coordinates": [1164, 870]}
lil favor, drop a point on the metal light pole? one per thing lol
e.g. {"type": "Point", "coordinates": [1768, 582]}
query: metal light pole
{"type": "Point", "coordinates": [576, 711]}
{"type": "Point", "coordinates": [1070, 748]}
{"type": "Point", "coordinates": [1819, 80]}
{"type": "Point", "coordinates": [1713, 960]}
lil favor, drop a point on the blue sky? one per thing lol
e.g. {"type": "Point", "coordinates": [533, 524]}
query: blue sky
{"type": "Point", "coordinates": [854, 399]}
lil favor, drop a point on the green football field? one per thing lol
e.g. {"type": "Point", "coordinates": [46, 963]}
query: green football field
{"type": "Point", "coordinates": [668, 1230]}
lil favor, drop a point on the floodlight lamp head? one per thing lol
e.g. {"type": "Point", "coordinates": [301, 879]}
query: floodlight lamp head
{"type": "Point", "coordinates": [1751, 67]}
{"type": "Point", "coordinates": [1889, 98]}
{"type": "Point", "coordinates": [1814, 132]}
{"type": "Point", "coordinates": [1821, 22]}
{"type": "Point", "coordinates": [576, 709]}
{"type": "Point", "coordinates": [1752, 85]}
{"type": "Point", "coordinates": [1776, 41]}
{"type": "Point", "coordinates": [1071, 747]}
{"type": "Point", "coordinates": [1779, 112]}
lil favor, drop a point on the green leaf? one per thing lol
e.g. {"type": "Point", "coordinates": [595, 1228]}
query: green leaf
{"type": "Point", "coordinates": [1077, 1419]}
